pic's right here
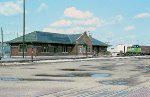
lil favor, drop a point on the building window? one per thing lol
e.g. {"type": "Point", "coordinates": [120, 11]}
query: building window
{"type": "Point", "coordinates": [103, 49]}
{"type": "Point", "coordinates": [21, 48]}
{"type": "Point", "coordinates": [45, 49]}
{"type": "Point", "coordinates": [82, 49]}
{"type": "Point", "coordinates": [88, 49]}
{"type": "Point", "coordinates": [64, 49]}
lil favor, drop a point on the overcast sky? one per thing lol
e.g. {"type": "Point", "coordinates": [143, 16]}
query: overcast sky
{"type": "Point", "coordinates": [113, 21]}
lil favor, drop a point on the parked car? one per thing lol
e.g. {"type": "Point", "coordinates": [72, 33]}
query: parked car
{"type": "Point", "coordinates": [114, 54]}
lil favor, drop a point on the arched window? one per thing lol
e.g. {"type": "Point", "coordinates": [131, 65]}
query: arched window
{"type": "Point", "coordinates": [45, 48]}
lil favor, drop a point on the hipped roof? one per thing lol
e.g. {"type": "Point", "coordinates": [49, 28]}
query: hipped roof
{"type": "Point", "coordinates": [47, 37]}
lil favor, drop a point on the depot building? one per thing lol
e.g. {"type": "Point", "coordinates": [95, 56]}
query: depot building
{"type": "Point", "coordinates": [41, 43]}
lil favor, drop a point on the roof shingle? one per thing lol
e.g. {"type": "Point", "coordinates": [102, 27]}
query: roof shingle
{"type": "Point", "coordinates": [47, 37]}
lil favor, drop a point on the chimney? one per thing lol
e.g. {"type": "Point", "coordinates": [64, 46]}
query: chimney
{"type": "Point", "coordinates": [85, 32]}
{"type": "Point", "coordinates": [90, 34]}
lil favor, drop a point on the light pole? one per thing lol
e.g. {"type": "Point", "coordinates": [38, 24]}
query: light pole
{"type": "Point", "coordinates": [23, 27]}
{"type": "Point", "coordinates": [32, 48]}
{"type": "Point", "coordinates": [2, 42]}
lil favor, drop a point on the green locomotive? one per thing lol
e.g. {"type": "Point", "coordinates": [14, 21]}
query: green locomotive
{"type": "Point", "coordinates": [134, 50]}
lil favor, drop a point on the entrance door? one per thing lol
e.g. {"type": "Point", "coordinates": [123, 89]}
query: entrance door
{"type": "Point", "coordinates": [55, 49]}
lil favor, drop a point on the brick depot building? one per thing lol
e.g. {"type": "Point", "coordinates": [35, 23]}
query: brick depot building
{"type": "Point", "coordinates": [48, 44]}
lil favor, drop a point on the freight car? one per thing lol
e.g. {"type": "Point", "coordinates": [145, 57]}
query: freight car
{"type": "Point", "coordinates": [145, 50]}
{"type": "Point", "coordinates": [138, 50]}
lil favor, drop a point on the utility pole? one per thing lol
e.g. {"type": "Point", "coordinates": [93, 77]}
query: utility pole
{"type": "Point", "coordinates": [23, 27]}
{"type": "Point", "coordinates": [2, 41]}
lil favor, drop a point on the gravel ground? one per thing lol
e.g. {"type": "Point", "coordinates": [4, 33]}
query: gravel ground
{"type": "Point", "coordinates": [97, 77]}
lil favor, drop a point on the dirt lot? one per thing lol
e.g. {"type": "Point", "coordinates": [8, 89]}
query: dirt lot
{"type": "Point", "coordinates": [114, 77]}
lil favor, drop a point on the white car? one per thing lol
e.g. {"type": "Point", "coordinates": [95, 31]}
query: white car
{"type": "Point", "coordinates": [114, 54]}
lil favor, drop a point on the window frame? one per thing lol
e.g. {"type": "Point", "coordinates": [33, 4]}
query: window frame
{"type": "Point", "coordinates": [82, 49]}
{"type": "Point", "coordinates": [21, 51]}
{"type": "Point", "coordinates": [45, 48]}
{"type": "Point", "coordinates": [88, 49]}
{"type": "Point", "coordinates": [65, 49]}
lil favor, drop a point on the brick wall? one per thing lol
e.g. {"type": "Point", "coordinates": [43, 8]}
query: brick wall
{"type": "Point", "coordinates": [73, 49]}
{"type": "Point", "coordinates": [37, 50]}
{"type": "Point", "coordinates": [84, 38]}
